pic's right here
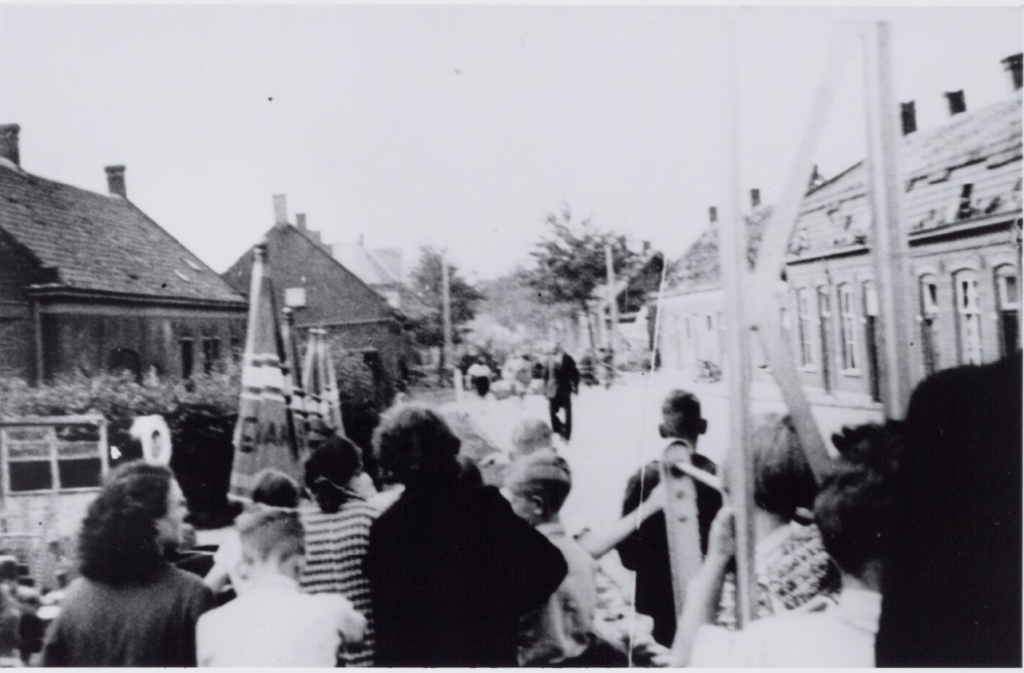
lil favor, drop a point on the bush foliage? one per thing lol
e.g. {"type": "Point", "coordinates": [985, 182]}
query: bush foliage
{"type": "Point", "coordinates": [200, 412]}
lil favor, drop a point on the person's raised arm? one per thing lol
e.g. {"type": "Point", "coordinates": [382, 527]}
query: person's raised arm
{"type": "Point", "coordinates": [704, 590]}
{"type": "Point", "coordinates": [600, 542]}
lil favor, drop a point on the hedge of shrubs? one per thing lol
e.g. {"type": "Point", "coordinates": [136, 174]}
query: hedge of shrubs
{"type": "Point", "coordinates": [200, 412]}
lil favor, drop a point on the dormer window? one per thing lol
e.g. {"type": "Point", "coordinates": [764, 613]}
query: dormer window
{"type": "Point", "coordinates": [965, 210]}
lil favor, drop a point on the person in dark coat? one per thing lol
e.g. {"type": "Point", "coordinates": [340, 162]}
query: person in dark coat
{"type": "Point", "coordinates": [561, 380]}
{"type": "Point", "coordinates": [646, 550]}
{"type": "Point", "coordinates": [451, 567]}
{"type": "Point", "coordinates": [131, 607]}
{"type": "Point", "coordinates": [952, 585]}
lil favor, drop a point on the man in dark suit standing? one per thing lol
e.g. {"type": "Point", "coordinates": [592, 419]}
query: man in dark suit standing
{"type": "Point", "coordinates": [561, 380]}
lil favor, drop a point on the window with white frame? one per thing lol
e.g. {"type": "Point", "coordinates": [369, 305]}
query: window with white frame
{"type": "Point", "coordinates": [805, 309]}
{"type": "Point", "coordinates": [51, 459]}
{"type": "Point", "coordinates": [969, 317]}
{"type": "Point", "coordinates": [929, 323]}
{"type": "Point", "coordinates": [825, 333]}
{"type": "Point", "coordinates": [848, 317]}
{"type": "Point", "coordinates": [1008, 296]}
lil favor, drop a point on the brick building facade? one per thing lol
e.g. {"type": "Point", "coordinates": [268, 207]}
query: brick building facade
{"type": "Point", "coordinates": [961, 210]}
{"type": "Point", "coordinates": [325, 294]}
{"type": "Point", "coordinates": [89, 283]}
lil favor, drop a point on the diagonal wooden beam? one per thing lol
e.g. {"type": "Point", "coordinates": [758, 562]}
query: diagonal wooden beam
{"type": "Point", "coordinates": [763, 312]}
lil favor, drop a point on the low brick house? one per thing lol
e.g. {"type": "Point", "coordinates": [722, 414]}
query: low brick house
{"type": "Point", "coordinates": [325, 294]}
{"type": "Point", "coordinates": [961, 211]}
{"type": "Point", "coordinates": [89, 282]}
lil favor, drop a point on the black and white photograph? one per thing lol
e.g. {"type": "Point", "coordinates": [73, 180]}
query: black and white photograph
{"type": "Point", "coordinates": [502, 335]}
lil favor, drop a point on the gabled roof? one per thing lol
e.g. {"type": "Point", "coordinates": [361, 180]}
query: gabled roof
{"type": "Point", "coordinates": [981, 148]}
{"type": "Point", "coordinates": [99, 243]}
{"type": "Point", "coordinates": [391, 258]}
{"type": "Point", "coordinates": [699, 267]}
{"type": "Point", "coordinates": [371, 268]}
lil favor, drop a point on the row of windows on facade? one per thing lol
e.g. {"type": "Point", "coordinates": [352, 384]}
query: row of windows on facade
{"type": "Point", "coordinates": [126, 359]}
{"type": "Point", "coordinates": [815, 322]}
{"type": "Point", "coordinates": [814, 306]}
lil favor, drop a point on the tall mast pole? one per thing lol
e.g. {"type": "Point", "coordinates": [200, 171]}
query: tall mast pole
{"type": "Point", "coordinates": [888, 239]}
{"type": "Point", "coordinates": [732, 246]}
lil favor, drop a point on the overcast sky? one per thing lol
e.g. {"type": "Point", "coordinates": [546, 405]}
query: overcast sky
{"type": "Point", "coordinates": [457, 126]}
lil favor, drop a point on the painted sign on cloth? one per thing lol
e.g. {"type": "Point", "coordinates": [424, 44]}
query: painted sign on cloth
{"type": "Point", "coordinates": [265, 434]}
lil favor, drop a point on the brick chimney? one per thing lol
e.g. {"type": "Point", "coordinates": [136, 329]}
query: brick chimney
{"type": "Point", "coordinates": [755, 199]}
{"type": "Point", "coordinates": [280, 209]}
{"type": "Point", "coordinates": [300, 221]}
{"type": "Point", "coordinates": [115, 181]}
{"type": "Point", "coordinates": [713, 214]}
{"type": "Point", "coordinates": [9, 143]}
{"type": "Point", "coordinates": [956, 101]}
{"type": "Point", "coordinates": [908, 117]}
{"type": "Point", "coordinates": [1012, 65]}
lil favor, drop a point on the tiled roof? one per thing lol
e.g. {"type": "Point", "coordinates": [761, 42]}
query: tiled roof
{"type": "Point", "coordinates": [102, 243]}
{"type": "Point", "coordinates": [362, 262]}
{"type": "Point", "coordinates": [699, 267]}
{"type": "Point", "coordinates": [981, 149]}
{"type": "Point", "coordinates": [391, 258]}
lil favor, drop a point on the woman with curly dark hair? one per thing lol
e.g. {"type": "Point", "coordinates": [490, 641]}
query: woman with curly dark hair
{"type": "Point", "coordinates": [131, 607]}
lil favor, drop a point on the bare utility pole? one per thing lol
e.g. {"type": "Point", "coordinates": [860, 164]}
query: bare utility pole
{"type": "Point", "coordinates": [613, 304]}
{"type": "Point", "coordinates": [446, 303]}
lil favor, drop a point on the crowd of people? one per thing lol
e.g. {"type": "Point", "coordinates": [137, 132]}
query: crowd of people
{"type": "Point", "coordinates": [555, 373]}
{"type": "Point", "coordinates": [907, 553]}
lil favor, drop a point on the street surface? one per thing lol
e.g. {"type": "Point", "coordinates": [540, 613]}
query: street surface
{"type": "Point", "coordinates": [615, 431]}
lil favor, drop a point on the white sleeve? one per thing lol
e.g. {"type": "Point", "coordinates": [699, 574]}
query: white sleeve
{"type": "Point", "coordinates": [716, 647]}
{"type": "Point", "coordinates": [351, 624]}
{"type": "Point", "coordinates": [203, 654]}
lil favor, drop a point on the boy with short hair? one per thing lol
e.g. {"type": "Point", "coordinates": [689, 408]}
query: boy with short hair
{"type": "Point", "coordinates": [272, 623]}
{"type": "Point", "coordinates": [854, 511]}
{"type": "Point", "coordinates": [644, 550]}
{"type": "Point", "coordinates": [531, 435]}
{"type": "Point", "coordinates": [561, 631]}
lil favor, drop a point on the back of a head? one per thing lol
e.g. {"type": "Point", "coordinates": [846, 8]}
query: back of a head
{"type": "Point", "coordinates": [271, 535]}
{"type": "Point", "coordinates": [854, 510]}
{"type": "Point", "coordinates": [117, 543]}
{"type": "Point", "coordinates": [953, 586]}
{"type": "Point", "coordinates": [532, 434]}
{"type": "Point", "coordinates": [275, 489]}
{"type": "Point", "coordinates": [469, 474]}
{"type": "Point", "coordinates": [783, 480]}
{"type": "Point", "coordinates": [414, 442]}
{"type": "Point", "coordinates": [336, 460]}
{"type": "Point", "coordinates": [681, 415]}
{"type": "Point", "coordinates": [543, 474]}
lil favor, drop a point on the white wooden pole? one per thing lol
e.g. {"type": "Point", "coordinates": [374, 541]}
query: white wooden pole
{"type": "Point", "coordinates": [732, 246]}
{"type": "Point", "coordinates": [889, 245]}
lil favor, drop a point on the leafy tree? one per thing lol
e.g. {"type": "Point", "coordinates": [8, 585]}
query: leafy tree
{"type": "Point", "coordinates": [427, 282]}
{"type": "Point", "coordinates": [570, 260]}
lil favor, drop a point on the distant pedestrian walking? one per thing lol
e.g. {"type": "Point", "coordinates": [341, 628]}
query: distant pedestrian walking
{"type": "Point", "coordinates": [480, 377]}
{"type": "Point", "coordinates": [561, 380]}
